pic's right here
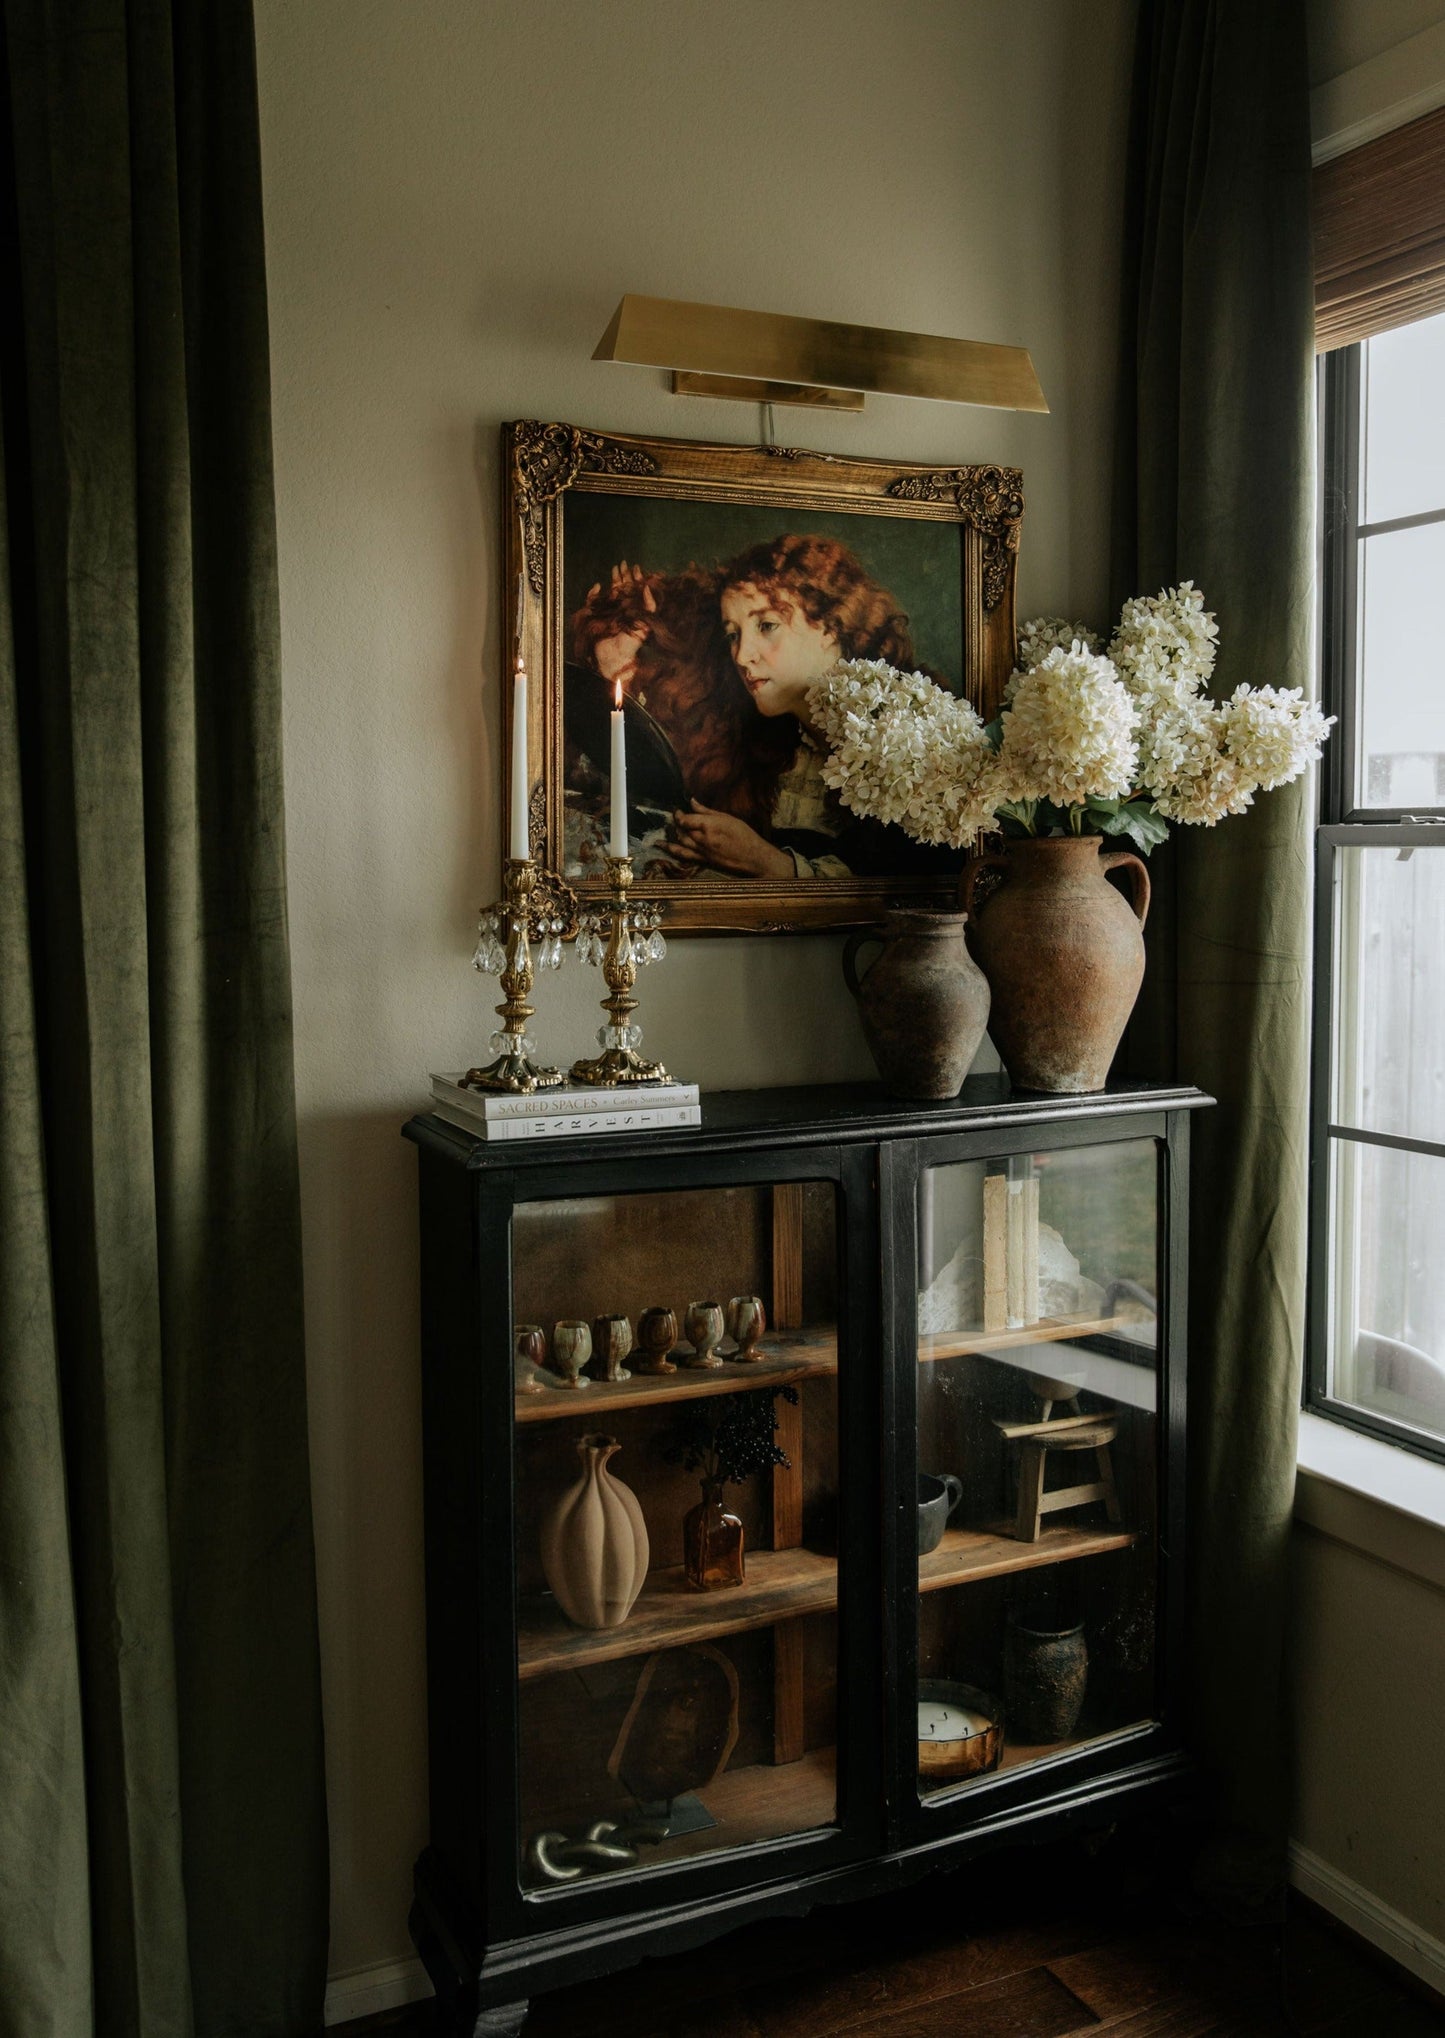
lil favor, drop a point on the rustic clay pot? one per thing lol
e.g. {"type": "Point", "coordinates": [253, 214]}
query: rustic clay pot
{"type": "Point", "coordinates": [594, 1542]}
{"type": "Point", "coordinates": [923, 1003]}
{"type": "Point", "coordinates": [1064, 957]}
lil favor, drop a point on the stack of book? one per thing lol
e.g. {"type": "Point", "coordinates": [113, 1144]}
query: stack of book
{"type": "Point", "coordinates": [564, 1113]}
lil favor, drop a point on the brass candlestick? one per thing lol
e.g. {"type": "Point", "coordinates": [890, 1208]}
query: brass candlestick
{"type": "Point", "coordinates": [532, 908]}
{"type": "Point", "coordinates": [620, 937]}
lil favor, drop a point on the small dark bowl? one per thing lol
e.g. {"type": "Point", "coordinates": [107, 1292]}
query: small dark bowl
{"type": "Point", "coordinates": [937, 1498]}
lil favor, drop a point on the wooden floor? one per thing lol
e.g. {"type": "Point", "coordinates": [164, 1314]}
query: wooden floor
{"type": "Point", "coordinates": [1049, 1944]}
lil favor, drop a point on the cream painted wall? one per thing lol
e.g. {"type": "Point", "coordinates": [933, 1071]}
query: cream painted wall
{"type": "Point", "coordinates": [1347, 33]}
{"type": "Point", "coordinates": [1368, 1647]}
{"type": "Point", "coordinates": [457, 191]}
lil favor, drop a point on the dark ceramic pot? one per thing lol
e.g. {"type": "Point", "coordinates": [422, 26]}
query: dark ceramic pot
{"type": "Point", "coordinates": [1063, 952]}
{"type": "Point", "coordinates": [937, 1498]}
{"type": "Point", "coordinates": [923, 1003]}
{"type": "Point", "coordinates": [1045, 1675]}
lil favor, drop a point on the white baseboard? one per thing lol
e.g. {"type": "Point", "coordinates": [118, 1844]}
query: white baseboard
{"type": "Point", "coordinates": [1412, 1948]}
{"type": "Point", "coordinates": [365, 1991]}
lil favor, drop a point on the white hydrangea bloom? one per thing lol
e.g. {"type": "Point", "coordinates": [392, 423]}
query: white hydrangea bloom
{"type": "Point", "coordinates": [1069, 731]}
{"type": "Point", "coordinates": [1166, 643]}
{"type": "Point", "coordinates": [904, 750]}
{"type": "Point", "coordinates": [1043, 634]}
{"type": "Point", "coordinates": [1195, 781]}
{"type": "Point", "coordinates": [1273, 733]}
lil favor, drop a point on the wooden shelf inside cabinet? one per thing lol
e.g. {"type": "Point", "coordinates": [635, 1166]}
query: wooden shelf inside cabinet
{"type": "Point", "coordinates": [760, 1802]}
{"type": "Point", "coordinates": [967, 1554]}
{"type": "Point", "coordinates": [956, 1344]}
{"type": "Point", "coordinates": [790, 1357]}
{"type": "Point", "coordinates": [780, 1585]}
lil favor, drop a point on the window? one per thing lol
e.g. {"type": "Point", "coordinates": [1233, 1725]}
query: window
{"type": "Point", "coordinates": [1377, 1340]}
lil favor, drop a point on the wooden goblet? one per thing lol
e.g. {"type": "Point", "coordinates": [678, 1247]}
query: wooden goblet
{"type": "Point", "coordinates": [571, 1349]}
{"type": "Point", "coordinates": [656, 1336]}
{"type": "Point", "coordinates": [529, 1351]}
{"type": "Point", "coordinates": [704, 1325]}
{"type": "Point", "coordinates": [747, 1320]}
{"type": "Point", "coordinates": [611, 1343]}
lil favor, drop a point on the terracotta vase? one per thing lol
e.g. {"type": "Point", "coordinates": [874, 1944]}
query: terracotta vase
{"type": "Point", "coordinates": [594, 1542]}
{"type": "Point", "coordinates": [923, 1003]}
{"type": "Point", "coordinates": [1063, 952]}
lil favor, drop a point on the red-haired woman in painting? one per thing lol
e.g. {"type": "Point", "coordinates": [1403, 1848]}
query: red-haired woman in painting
{"type": "Point", "coordinates": [723, 662]}
{"type": "Point", "coordinates": [790, 609]}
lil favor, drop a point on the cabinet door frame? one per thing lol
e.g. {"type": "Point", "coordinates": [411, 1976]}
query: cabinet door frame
{"type": "Point", "coordinates": [1133, 1755]}
{"type": "Point", "coordinates": [515, 1915]}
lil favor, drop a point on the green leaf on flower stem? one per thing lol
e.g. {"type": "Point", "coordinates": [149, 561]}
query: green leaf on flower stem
{"type": "Point", "coordinates": [994, 732]}
{"type": "Point", "coordinates": [1134, 818]}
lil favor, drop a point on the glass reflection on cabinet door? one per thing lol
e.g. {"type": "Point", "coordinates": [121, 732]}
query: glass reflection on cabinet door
{"type": "Point", "coordinates": [677, 1495]}
{"type": "Point", "coordinates": [1038, 1314]}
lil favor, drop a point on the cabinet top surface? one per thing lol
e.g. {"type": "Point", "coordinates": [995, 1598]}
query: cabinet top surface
{"type": "Point", "coordinates": [817, 1115]}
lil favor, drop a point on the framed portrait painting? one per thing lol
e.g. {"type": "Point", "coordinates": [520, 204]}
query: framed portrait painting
{"type": "Point", "coordinates": [701, 589]}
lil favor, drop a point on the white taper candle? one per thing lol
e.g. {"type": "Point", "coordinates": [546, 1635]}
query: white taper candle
{"type": "Point", "coordinates": [618, 842]}
{"type": "Point", "coordinates": [520, 846]}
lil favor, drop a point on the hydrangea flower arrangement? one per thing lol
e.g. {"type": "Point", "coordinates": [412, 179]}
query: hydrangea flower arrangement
{"type": "Point", "coordinates": [1118, 741]}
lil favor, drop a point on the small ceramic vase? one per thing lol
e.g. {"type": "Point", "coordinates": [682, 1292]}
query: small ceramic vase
{"type": "Point", "coordinates": [611, 1342]}
{"type": "Point", "coordinates": [923, 1003]}
{"type": "Point", "coordinates": [529, 1351]}
{"type": "Point", "coordinates": [656, 1336]}
{"type": "Point", "coordinates": [704, 1326]}
{"type": "Point", "coordinates": [571, 1349]}
{"type": "Point", "coordinates": [1045, 1677]}
{"type": "Point", "coordinates": [712, 1542]}
{"type": "Point", "coordinates": [594, 1542]}
{"type": "Point", "coordinates": [747, 1320]}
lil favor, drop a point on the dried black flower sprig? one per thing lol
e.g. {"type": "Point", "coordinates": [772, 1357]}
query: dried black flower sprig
{"type": "Point", "coordinates": [729, 1438]}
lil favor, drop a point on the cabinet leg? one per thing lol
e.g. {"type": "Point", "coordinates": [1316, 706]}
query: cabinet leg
{"type": "Point", "coordinates": [505, 2021]}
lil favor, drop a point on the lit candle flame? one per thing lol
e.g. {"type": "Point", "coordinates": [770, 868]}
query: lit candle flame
{"type": "Point", "coordinates": [617, 695]}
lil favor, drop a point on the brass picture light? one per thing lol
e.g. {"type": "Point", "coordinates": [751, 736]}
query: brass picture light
{"type": "Point", "coordinates": [765, 357]}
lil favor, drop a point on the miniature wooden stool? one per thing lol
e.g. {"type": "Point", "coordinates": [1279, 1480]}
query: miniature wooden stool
{"type": "Point", "coordinates": [1038, 1441]}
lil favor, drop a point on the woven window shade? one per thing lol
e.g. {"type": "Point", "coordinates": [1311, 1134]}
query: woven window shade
{"type": "Point", "coordinates": [1380, 234]}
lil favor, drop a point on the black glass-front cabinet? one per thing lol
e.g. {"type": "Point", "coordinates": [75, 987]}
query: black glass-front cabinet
{"type": "Point", "coordinates": [803, 1510]}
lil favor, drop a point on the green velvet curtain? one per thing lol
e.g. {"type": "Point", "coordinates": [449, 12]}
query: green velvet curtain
{"type": "Point", "coordinates": [162, 1824]}
{"type": "Point", "coordinates": [1216, 486]}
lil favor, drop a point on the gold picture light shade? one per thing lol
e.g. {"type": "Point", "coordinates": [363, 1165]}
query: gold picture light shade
{"type": "Point", "coordinates": [707, 343]}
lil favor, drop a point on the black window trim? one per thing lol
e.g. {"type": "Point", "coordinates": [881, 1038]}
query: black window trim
{"type": "Point", "coordinates": [1344, 825]}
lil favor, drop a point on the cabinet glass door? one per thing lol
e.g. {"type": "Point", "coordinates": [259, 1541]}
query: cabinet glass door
{"type": "Point", "coordinates": [676, 1480]}
{"type": "Point", "coordinates": [1038, 1312]}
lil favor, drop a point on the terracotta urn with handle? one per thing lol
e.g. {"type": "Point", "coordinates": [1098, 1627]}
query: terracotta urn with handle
{"type": "Point", "coordinates": [1063, 951]}
{"type": "Point", "coordinates": [923, 1002]}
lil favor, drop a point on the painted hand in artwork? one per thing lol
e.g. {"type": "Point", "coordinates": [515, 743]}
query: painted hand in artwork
{"type": "Point", "coordinates": [702, 835]}
{"type": "Point", "coordinates": [615, 655]}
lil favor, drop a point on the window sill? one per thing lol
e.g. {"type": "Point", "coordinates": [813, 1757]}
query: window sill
{"type": "Point", "coordinates": [1373, 1496]}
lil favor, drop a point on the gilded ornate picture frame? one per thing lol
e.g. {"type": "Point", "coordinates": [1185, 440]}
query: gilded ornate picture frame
{"type": "Point", "coordinates": [702, 586]}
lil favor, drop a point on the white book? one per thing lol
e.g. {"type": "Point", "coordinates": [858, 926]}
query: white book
{"type": "Point", "coordinates": [564, 1102]}
{"type": "Point", "coordinates": [618, 1118]}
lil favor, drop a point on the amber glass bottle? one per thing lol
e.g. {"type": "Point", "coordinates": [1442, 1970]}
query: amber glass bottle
{"type": "Point", "coordinates": [712, 1542]}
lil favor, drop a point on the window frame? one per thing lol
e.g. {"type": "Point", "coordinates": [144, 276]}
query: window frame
{"type": "Point", "coordinates": [1344, 824]}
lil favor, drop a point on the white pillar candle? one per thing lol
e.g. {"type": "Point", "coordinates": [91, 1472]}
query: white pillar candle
{"type": "Point", "coordinates": [940, 1722]}
{"type": "Point", "coordinates": [520, 788]}
{"type": "Point", "coordinates": [618, 842]}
